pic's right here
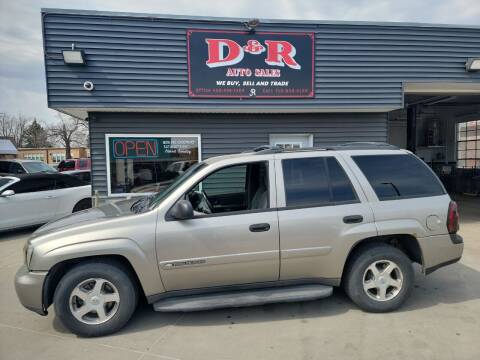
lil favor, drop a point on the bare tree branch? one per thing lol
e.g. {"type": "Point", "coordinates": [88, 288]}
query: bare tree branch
{"type": "Point", "coordinates": [13, 128]}
{"type": "Point", "coordinates": [69, 132]}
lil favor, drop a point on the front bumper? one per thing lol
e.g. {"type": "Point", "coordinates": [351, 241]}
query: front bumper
{"type": "Point", "coordinates": [440, 250]}
{"type": "Point", "coordinates": [29, 288]}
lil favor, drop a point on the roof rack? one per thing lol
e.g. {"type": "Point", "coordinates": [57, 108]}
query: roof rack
{"type": "Point", "coordinates": [364, 145]}
{"type": "Point", "coordinates": [269, 149]}
{"type": "Point", "coordinates": [263, 148]}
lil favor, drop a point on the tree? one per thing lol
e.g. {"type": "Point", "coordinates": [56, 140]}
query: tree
{"type": "Point", "coordinates": [69, 131]}
{"type": "Point", "coordinates": [13, 128]}
{"type": "Point", "coordinates": [36, 136]}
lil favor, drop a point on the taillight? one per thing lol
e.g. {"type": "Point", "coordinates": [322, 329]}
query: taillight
{"type": "Point", "coordinates": [453, 220]}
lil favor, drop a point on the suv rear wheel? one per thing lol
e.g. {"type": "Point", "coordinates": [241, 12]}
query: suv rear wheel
{"type": "Point", "coordinates": [95, 298]}
{"type": "Point", "coordinates": [380, 278]}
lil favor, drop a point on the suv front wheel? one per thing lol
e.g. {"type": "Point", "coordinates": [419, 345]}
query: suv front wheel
{"type": "Point", "coordinates": [95, 298]}
{"type": "Point", "coordinates": [379, 278]}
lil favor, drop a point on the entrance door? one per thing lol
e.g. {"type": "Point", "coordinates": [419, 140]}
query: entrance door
{"type": "Point", "coordinates": [233, 237]}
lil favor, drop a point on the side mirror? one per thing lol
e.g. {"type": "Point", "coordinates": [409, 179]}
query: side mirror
{"type": "Point", "coordinates": [182, 210]}
{"type": "Point", "coordinates": [7, 193]}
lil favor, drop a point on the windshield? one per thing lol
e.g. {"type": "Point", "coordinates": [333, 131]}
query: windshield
{"type": "Point", "coordinates": [156, 199]}
{"type": "Point", "coordinates": [37, 166]}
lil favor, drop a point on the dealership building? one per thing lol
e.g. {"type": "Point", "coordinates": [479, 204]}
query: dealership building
{"type": "Point", "coordinates": [162, 92]}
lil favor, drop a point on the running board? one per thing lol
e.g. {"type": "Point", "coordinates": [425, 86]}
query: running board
{"type": "Point", "coordinates": [243, 298]}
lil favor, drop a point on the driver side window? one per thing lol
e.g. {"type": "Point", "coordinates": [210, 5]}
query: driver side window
{"type": "Point", "coordinates": [233, 188]}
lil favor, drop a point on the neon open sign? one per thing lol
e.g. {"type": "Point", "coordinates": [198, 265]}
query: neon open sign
{"type": "Point", "coordinates": [130, 148]}
{"type": "Point", "coordinates": [152, 147]}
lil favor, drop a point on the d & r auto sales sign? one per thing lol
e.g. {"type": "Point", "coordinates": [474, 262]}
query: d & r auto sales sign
{"type": "Point", "coordinates": [239, 64]}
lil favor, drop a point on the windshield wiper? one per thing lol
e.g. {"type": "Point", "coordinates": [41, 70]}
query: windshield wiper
{"type": "Point", "coordinates": [141, 204]}
{"type": "Point", "coordinates": [136, 205]}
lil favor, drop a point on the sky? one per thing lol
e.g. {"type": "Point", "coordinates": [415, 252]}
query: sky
{"type": "Point", "coordinates": [22, 79]}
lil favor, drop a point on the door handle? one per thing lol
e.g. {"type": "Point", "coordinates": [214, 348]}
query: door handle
{"type": "Point", "coordinates": [353, 219]}
{"type": "Point", "coordinates": [259, 227]}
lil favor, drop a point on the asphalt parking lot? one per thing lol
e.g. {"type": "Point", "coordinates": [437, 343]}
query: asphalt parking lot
{"type": "Point", "coordinates": [441, 320]}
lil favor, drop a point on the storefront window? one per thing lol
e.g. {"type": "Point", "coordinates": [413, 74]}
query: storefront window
{"type": "Point", "coordinates": [38, 157]}
{"type": "Point", "coordinates": [148, 163]}
{"type": "Point", "coordinates": [57, 157]}
{"type": "Point", "coordinates": [468, 144]}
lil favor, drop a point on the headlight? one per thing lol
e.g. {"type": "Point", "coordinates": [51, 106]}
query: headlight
{"type": "Point", "coordinates": [25, 253]}
{"type": "Point", "coordinates": [28, 252]}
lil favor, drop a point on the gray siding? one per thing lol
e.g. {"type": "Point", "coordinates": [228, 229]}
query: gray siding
{"type": "Point", "coordinates": [231, 133]}
{"type": "Point", "coordinates": [140, 62]}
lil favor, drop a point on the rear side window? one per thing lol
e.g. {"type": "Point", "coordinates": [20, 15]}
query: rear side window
{"type": "Point", "coordinates": [33, 185]}
{"type": "Point", "coordinates": [68, 181]}
{"type": "Point", "coordinates": [398, 176]}
{"type": "Point", "coordinates": [342, 189]}
{"type": "Point", "coordinates": [316, 181]}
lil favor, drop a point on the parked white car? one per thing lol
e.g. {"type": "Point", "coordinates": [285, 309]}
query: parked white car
{"type": "Point", "coordinates": [34, 199]}
{"type": "Point", "coordinates": [23, 166]}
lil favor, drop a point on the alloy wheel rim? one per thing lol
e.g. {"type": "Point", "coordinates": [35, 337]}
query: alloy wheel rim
{"type": "Point", "coordinates": [382, 280]}
{"type": "Point", "coordinates": [94, 301]}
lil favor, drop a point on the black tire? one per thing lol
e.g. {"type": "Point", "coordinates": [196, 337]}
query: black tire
{"type": "Point", "coordinates": [357, 270]}
{"type": "Point", "coordinates": [83, 204]}
{"type": "Point", "coordinates": [114, 273]}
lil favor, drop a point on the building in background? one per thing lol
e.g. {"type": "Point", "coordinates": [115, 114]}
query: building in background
{"type": "Point", "coordinates": [51, 155]}
{"type": "Point", "coordinates": [7, 149]}
{"type": "Point", "coordinates": [162, 92]}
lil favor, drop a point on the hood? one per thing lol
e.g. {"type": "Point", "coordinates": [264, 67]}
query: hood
{"type": "Point", "coordinates": [85, 217]}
